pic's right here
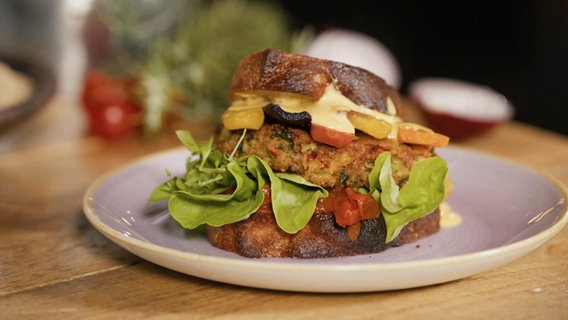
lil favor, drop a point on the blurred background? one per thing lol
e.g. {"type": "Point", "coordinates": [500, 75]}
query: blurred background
{"type": "Point", "coordinates": [518, 48]}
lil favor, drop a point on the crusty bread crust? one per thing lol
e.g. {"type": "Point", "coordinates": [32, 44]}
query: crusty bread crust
{"type": "Point", "coordinates": [273, 70]}
{"type": "Point", "coordinates": [260, 237]}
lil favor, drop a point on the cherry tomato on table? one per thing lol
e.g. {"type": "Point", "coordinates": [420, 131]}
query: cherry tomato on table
{"type": "Point", "coordinates": [112, 110]}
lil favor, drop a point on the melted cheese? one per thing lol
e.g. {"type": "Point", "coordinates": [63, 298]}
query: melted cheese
{"type": "Point", "coordinates": [329, 111]}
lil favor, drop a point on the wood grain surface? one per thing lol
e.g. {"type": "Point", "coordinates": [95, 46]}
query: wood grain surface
{"type": "Point", "coordinates": [55, 265]}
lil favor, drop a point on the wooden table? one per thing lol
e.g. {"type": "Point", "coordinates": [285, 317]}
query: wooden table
{"type": "Point", "coordinates": [55, 265]}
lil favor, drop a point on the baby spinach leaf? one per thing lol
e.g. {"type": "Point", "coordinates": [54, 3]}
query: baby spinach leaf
{"type": "Point", "coordinates": [381, 178]}
{"type": "Point", "coordinates": [191, 210]}
{"type": "Point", "coordinates": [293, 197]}
{"type": "Point", "coordinates": [163, 191]}
{"type": "Point", "coordinates": [422, 193]}
{"type": "Point", "coordinates": [201, 196]}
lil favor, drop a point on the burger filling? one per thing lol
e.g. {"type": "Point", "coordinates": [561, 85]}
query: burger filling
{"type": "Point", "coordinates": [294, 157]}
{"type": "Point", "coordinates": [226, 180]}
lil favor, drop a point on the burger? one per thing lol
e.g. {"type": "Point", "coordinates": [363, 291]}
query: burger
{"type": "Point", "coordinates": [313, 160]}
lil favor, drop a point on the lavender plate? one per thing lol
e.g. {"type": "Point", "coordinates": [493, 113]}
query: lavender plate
{"type": "Point", "coordinates": [506, 210]}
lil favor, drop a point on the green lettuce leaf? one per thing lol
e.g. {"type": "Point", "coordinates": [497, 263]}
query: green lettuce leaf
{"type": "Point", "coordinates": [201, 196]}
{"type": "Point", "coordinates": [219, 189]}
{"type": "Point", "coordinates": [422, 193]}
{"type": "Point", "coordinates": [381, 178]}
{"type": "Point", "coordinates": [293, 197]}
{"type": "Point", "coordinates": [192, 210]}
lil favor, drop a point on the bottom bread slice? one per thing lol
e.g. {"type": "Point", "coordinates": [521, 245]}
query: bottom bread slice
{"type": "Point", "coordinates": [260, 237]}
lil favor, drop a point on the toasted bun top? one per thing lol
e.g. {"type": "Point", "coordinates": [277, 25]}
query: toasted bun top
{"type": "Point", "coordinates": [272, 70]}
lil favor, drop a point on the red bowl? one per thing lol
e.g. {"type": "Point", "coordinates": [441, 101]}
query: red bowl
{"type": "Point", "coordinates": [459, 109]}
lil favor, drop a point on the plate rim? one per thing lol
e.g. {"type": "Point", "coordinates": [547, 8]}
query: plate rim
{"type": "Point", "coordinates": [522, 246]}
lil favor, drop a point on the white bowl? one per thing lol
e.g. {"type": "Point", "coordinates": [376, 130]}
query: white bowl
{"type": "Point", "coordinates": [357, 49]}
{"type": "Point", "coordinates": [459, 109]}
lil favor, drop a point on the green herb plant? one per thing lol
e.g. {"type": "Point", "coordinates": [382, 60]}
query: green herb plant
{"type": "Point", "coordinates": [184, 52]}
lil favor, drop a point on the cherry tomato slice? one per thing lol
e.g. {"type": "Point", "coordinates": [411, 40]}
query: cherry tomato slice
{"type": "Point", "coordinates": [329, 136]}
